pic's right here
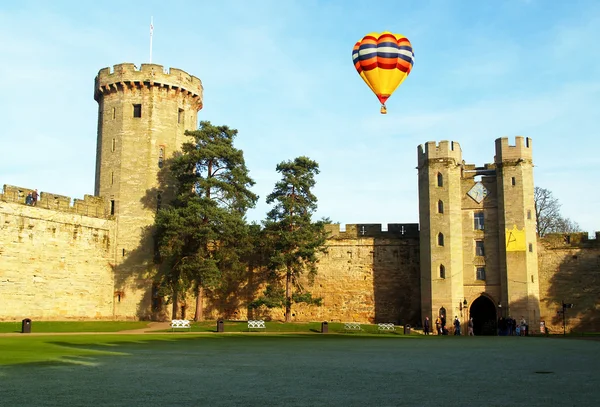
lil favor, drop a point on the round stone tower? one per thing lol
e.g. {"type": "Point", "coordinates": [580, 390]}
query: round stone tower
{"type": "Point", "coordinates": [142, 118]}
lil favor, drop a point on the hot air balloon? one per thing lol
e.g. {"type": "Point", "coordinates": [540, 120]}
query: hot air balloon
{"type": "Point", "coordinates": [383, 61]}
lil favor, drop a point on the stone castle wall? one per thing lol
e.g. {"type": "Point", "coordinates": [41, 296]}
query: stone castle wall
{"type": "Point", "coordinates": [54, 263]}
{"type": "Point", "coordinates": [569, 271]}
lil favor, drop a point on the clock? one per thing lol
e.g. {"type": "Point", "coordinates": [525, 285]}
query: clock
{"type": "Point", "coordinates": [478, 192]}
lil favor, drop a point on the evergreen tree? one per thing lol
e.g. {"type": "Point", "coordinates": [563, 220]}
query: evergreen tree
{"type": "Point", "coordinates": [197, 231]}
{"type": "Point", "coordinates": [293, 239]}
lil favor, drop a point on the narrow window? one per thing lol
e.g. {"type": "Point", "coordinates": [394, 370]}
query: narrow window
{"type": "Point", "coordinates": [114, 113]}
{"type": "Point", "coordinates": [440, 206]}
{"type": "Point", "coordinates": [478, 220]}
{"type": "Point", "coordinates": [514, 181]}
{"type": "Point", "coordinates": [480, 273]}
{"type": "Point", "coordinates": [123, 252]}
{"type": "Point", "coordinates": [532, 278]}
{"type": "Point", "coordinates": [180, 116]}
{"type": "Point", "coordinates": [531, 247]}
{"type": "Point", "coordinates": [161, 156]}
{"type": "Point", "coordinates": [112, 178]}
{"type": "Point", "coordinates": [442, 271]}
{"type": "Point", "coordinates": [479, 251]}
{"type": "Point", "coordinates": [440, 179]}
{"type": "Point", "coordinates": [440, 239]}
{"type": "Point", "coordinates": [137, 110]}
{"type": "Point", "coordinates": [112, 206]}
{"type": "Point", "coordinates": [158, 200]}
{"type": "Point", "coordinates": [114, 144]}
{"type": "Point", "coordinates": [528, 213]}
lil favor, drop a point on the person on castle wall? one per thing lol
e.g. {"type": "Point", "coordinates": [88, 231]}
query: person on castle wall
{"type": "Point", "coordinates": [456, 326]}
{"type": "Point", "coordinates": [426, 326]}
{"type": "Point", "coordinates": [35, 197]}
{"type": "Point", "coordinates": [470, 326]}
{"type": "Point", "coordinates": [438, 325]}
{"type": "Point", "coordinates": [29, 199]}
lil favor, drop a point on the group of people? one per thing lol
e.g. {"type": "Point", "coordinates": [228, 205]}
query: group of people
{"type": "Point", "coordinates": [440, 326]}
{"type": "Point", "coordinates": [509, 327]}
{"type": "Point", "coordinates": [32, 198]}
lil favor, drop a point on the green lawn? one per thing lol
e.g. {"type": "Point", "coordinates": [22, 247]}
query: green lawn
{"type": "Point", "coordinates": [73, 326]}
{"type": "Point", "coordinates": [297, 370]}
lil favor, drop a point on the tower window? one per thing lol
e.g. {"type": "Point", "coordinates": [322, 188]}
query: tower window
{"type": "Point", "coordinates": [112, 206]}
{"type": "Point", "coordinates": [114, 113]}
{"type": "Point", "coordinates": [528, 213]}
{"type": "Point", "coordinates": [531, 247]}
{"type": "Point", "coordinates": [180, 116]}
{"type": "Point", "coordinates": [137, 110]}
{"type": "Point", "coordinates": [478, 220]}
{"type": "Point", "coordinates": [440, 206]}
{"type": "Point", "coordinates": [513, 181]}
{"type": "Point", "coordinates": [442, 271]}
{"type": "Point", "coordinates": [440, 179]}
{"type": "Point", "coordinates": [114, 144]}
{"type": "Point", "coordinates": [440, 239]}
{"type": "Point", "coordinates": [479, 250]}
{"type": "Point", "coordinates": [112, 178]}
{"type": "Point", "coordinates": [161, 156]}
{"type": "Point", "coordinates": [481, 273]}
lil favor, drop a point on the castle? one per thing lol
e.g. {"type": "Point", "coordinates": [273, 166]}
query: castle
{"type": "Point", "coordinates": [473, 253]}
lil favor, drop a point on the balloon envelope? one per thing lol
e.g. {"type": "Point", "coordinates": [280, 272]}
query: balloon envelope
{"type": "Point", "coordinates": [383, 60]}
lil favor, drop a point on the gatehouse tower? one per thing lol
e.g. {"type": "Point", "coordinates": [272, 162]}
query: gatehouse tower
{"type": "Point", "coordinates": [477, 235]}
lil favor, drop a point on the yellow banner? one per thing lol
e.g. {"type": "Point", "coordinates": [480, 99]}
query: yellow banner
{"type": "Point", "coordinates": [515, 240]}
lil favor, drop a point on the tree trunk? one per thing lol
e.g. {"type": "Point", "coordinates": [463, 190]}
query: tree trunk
{"type": "Point", "coordinates": [175, 304]}
{"type": "Point", "coordinates": [199, 306]}
{"type": "Point", "coordinates": [288, 297]}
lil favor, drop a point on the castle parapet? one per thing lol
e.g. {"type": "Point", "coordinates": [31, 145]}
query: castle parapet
{"type": "Point", "coordinates": [149, 75]}
{"type": "Point", "coordinates": [370, 230]}
{"type": "Point", "coordinates": [576, 239]}
{"type": "Point", "coordinates": [520, 151]}
{"type": "Point", "coordinates": [93, 206]}
{"type": "Point", "coordinates": [444, 151]}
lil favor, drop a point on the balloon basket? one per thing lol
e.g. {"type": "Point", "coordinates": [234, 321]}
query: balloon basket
{"type": "Point", "coordinates": [383, 110]}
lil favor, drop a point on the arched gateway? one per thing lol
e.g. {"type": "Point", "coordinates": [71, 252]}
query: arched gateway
{"type": "Point", "coordinates": [483, 312]}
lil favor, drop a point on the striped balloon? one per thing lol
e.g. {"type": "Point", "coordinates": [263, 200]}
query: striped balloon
{"type": "Point", "coordinates": [383, 61]}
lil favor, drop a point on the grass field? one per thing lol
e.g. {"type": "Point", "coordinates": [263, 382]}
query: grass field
{"type": "Point", "coordinates": [73, 326]}
{"type": "Point", "coordinates": [297, 370]}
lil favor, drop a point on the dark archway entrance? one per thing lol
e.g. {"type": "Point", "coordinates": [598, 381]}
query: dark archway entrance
{"type": "Point", "coordinates": [483, 312]}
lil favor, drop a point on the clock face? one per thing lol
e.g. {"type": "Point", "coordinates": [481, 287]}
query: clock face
{"type": "Point", "coordinates": [478, 192]}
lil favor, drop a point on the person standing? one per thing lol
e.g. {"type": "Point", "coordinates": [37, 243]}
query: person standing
{"type": "Point", "coordinates": [470, 326]}
{"type": "Point", "coordinates": [438, 325]}
{"type": "Point", "coordinates": [456, 326]}
{"type": "Point", "coordinates": [426, 326]}
{"type": "Point", "coordinates": [35, 197]}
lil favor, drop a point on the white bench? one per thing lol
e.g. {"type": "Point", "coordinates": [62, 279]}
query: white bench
{"type": "Point", "coordinates": [256, 324]}
{"type": "Point", "coordinates": [352, 326]}
{"type": "Point", "coordinates": [386, 327]}
{"type": "Point", "coordinates": [180, 324]}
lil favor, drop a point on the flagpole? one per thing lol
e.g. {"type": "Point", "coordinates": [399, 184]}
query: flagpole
{"type": "Point", "coordinates": [151, 30]}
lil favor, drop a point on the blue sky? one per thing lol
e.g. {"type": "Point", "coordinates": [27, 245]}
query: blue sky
{"type": "Point", "coordinates": [281, 73]}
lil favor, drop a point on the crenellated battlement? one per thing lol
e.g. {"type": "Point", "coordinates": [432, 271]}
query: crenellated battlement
{"type": "Point", "coordinates": [444, 150]}
{"type": "Point", "coordinates": [360, 230]}
{"type": "Point", "coordinates": [127, 75]}
{"type": "Point", "coordinates": [520, 151]}
{"type": "Point", "coordinates": [90, 205]}
{"type": "Point", "coordinates": [576, 240]}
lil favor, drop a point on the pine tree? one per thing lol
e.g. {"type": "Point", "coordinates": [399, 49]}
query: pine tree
{"type": "Point", "coordinates": [197, 231]}
{"type": "Point", "coordinates": [294, 240]}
